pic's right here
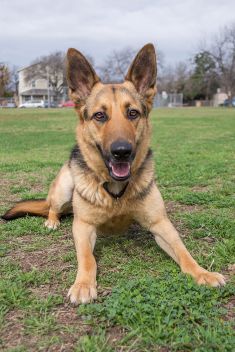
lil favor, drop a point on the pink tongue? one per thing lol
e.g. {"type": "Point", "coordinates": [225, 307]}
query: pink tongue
{"type": "Point", "coordinates": [120, 169]}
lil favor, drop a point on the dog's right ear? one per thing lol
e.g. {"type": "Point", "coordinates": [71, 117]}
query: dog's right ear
{"type": "Point", "coordinates": [81, 77]}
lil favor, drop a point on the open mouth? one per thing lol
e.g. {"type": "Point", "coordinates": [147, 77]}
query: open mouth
{"type": "Point", "coordinates": [119, 170]}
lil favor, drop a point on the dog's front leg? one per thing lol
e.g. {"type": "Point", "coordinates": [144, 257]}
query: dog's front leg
{"type": "Point", "coordinates": [84, 287]}
{"type": "Point", "coordinates": [168, 239]}
{"type": "Point", "coordinates": [153, 216]}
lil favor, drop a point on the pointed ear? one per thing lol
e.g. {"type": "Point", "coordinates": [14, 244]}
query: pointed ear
{"type": "Point", "coordinates": [143, 72]}
{"type": "Point", "coordinates": [81, 77]}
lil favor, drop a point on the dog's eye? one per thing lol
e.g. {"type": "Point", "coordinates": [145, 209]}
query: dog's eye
{"type": "Point", "coordinates": [132, 114]}
{"type": "Point", "coordinates": [100, 116]}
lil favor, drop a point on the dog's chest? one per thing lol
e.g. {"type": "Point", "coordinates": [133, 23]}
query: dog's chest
{"type": "Point", "coordinates": [115, 225]}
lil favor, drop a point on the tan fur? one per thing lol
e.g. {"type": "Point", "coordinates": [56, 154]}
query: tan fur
{"type": "Point", "coordinates": [82, 184]}
{"type": "Point", "coordinates": [28, 207]}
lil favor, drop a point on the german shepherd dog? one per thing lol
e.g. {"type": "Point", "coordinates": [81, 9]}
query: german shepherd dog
{"type": "Point", "coordinates": [109, 179]}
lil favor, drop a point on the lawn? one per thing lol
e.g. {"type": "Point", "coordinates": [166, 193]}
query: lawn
{"type": "Point", "coordinates": [145, 303]}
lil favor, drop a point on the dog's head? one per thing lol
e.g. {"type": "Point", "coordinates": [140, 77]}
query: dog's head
{"type": "Point", "coordinates": [114, 117]}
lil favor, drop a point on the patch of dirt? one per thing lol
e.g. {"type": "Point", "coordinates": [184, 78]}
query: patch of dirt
{"type": "Point", "coordinates": [26, 239]}
{"type": "Point", "coordinates": [230, 306]}
{"type": "Point", "coordinates": [173, 207]}
{"type": "Point", "coordinates": [104, 291]}
{"type": "Point", "coordinates": [200, 188]}
{"type": "Point", "coordinates": [2, 222]}
{"type": "Point", "coordinates": [41, 259]}
{"type": "Point", "coordinates": [231, 269]}
{"type": "Point", "coordinates": [208, 239]}
{"type": "Point", "coordinates": [176, 207]}
{"type": "Point", "coordinates": [8, 197]}
{"type": "Point", "coordinates": [229, 272]}
{"type": "Point", "coordinates": [43, 291]}
{"type": "Point", "coordinates": [19, 242]}
{"type": "Point", "coordinates": [66, 314]}
{"type": "Point", "coordinates": [11, 334]}
{"type": "Point", "coordinates": [115, 334]}
{"type": "Point", "coordinates": [72, 327]}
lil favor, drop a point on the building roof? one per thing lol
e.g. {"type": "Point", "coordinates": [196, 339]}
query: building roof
{"type": "Point", "coordinates": [26, 67]}
{"type": "Point", "coordinates": [37, 92]}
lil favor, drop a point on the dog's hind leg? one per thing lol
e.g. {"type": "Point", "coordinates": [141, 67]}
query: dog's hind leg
{"type": "Point", "coordinates": [60, 197]}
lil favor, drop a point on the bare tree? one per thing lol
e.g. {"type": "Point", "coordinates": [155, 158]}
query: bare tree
{"type": "Point", "coordinates": [14, 80]}
{"type": "Point", "coordinates": [174, 79]}
{"type": "Point", "coordinates": [118, 62]}
{"type": "Point", "coordinates": [51, 68]}
{"type": "Point", "coordinates": [4, 79]}
{"type": "Point", "coordinates": [223, 52]}
{"type": "Point", "coordinates": [116, 65]}
{"type": "Point", "coordinates": [166, 81]}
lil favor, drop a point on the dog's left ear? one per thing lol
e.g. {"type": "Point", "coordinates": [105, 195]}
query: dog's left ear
{"type": "Point", "coordinates": [143, 72]}
{"type": "Point", "coordinates": [81, 76]}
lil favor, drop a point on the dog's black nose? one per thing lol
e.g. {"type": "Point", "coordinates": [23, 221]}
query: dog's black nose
{"type": "Point", "coordinates": [121, 150]}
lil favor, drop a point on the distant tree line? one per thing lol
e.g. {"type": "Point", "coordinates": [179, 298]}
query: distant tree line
{"type": "Point", "coordinates": [210, 68]}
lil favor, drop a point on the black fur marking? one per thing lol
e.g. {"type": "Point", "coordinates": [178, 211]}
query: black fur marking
{"type": "Point", "coordinates": [127, 105]}
{"type": "Point", "coordinates": [100, 150]}
{"type": "Point", "coordinates": [113, 195]}
{"type": "Point", "coordinates": [85, 114]}
{"type": "Point", "coordinates": [126, 91]}
{"type": "Point", "coordinates": [104, 108]}
{"type": "Point", "coordinates": [11, 215]}
{"type": "Point", "coordinates": [84, 198]}
{"type": "Point", "coordinates": [146, 159]}
{"type": "Point", "coordinates": [144, 109]}
{"type": "Point", "coordinates": [77, 156]}
{"type": "Point", "coordinates": [143, 194]}
{"type": "Point", "coordinates": [113, 90]}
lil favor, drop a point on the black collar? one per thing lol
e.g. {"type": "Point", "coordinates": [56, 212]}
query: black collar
{"type": "Point", "coordinates": [115, 196]}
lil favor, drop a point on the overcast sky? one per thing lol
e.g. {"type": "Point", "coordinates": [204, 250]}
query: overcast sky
{"type": "Point", "coordinates": [30, 28]}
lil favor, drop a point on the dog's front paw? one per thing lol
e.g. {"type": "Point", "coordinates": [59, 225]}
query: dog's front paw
{"type": "Point", "coordinates": [210, 278]}
{"type": "Point", "coordinates": [52, 224]}
{"type": "Point", "coordinates": [82, 293]}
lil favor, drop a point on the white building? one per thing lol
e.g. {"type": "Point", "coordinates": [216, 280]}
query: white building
{"type": "Point", "coordinates": [36, 89]}
{"type": "Point", "coordinates": [219, 98]}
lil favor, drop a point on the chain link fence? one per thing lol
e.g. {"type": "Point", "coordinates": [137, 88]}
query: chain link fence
{"type": "Point", "coordinates": [36, 101]}
{"type": "Point", "coordinates": [7, 102]}
{"type": "Point", "coordinates": [161, 100]}
{"type": "Point", "coordinates": [168, 100]}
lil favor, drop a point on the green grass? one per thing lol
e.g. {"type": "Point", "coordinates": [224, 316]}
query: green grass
{"type": "Point", "coordinates": [145, 303]}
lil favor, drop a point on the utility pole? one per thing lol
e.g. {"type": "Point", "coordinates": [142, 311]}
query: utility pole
{"type": "Point", "coordinates": [48, 88]}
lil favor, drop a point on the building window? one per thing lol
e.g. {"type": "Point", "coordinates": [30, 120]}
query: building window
{"type": "Point", "coordinates": [33, 84]}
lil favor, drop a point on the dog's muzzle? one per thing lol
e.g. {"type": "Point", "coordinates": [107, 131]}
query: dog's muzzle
{"type": "Point", "coordinates": [119, 159]}
{"type": "Point", "coordinates": [119, 163]}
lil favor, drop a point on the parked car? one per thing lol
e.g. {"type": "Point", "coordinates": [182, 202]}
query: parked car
{"type": "Point", "coordinates": [52, 104]}
{"type": "Point", "coordinates": [33, 104]}
{"type": "Point", "coordinates": [67, 104]}
{"type": "Point", "coordinates": [229, 102]}
{"type": "Point", "coordinates": [8, 105]}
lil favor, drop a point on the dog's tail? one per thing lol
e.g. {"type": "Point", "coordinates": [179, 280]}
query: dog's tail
{"type": "Point", "coordinates": [38, 207]}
